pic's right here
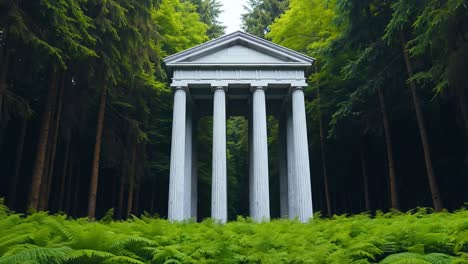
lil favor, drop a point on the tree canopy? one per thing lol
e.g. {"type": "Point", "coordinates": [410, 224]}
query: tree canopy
{"type": "Point", "coordinates": [86, 107]}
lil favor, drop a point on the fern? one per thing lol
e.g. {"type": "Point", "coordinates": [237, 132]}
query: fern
{"type": "Point", "coordinates": [122, 260]}
{"type": "Point", "coordinates": [34, 254]}
{"type": "Point", "coordinates": [88, 254]}
{"type": "Point", "coordinates": [418, 236]}
{"type": "Point", "coordinates": [410, 258]}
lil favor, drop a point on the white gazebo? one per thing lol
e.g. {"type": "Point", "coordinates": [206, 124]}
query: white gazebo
{"type": "Point", "coordinates": [249, 75]}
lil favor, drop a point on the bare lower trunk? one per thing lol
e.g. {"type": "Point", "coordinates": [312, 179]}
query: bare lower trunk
{"type": "Point", "coordinates": [18, 161]}
{"type": "Point", "coordinates": [130, 196]}
{"type": "Point", "coordinates": [423, 133]}
{"type": "Point", "coordinates": [114, 199]}
{"type": "Point", "coordinates": [131, 180]}
{"type": "Point", "coordinates": [323, 150]}
{"type": "Point", "coordinates": [389, 146]}
{"type": "Point", "coordinates": [97, 155]}
{"type": "Point", "coordinates": [464, 111]}
{"type": "Point", "coordinates": [42, 145]}
{"type": "Point", "coordinates": [365, 179]}
{"type": "Point", "coordinates": [3, 82]}
{"type": "Point", "coordinates": [324, 165]}
{"type": "Point", "coordinates": [121, 195]}
{"type": "Point", "coordinates": [69, 191]}
{"type": "Point", "coordinates": [153, 196]}
{"type": "Point", "coordinates": [63, 177]}
{"type": "Point", "coordinates": [76, 196]}
{"type": "Point", "coordinates": [45, 176]}
{"type": "Point", "coordinates": [53, 151]}
{"type": "Point", "coordinates": [139, 174]}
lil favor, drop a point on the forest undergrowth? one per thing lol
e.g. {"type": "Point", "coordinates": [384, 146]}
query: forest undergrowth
{"type": "Point", "coordinates": [418, 236]}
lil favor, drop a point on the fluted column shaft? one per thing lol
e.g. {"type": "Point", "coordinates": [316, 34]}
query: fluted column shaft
{"type": "Point", "coordinates": [260, 184]}
{"type": "Point", "coordinates": [250, 129]}
{"type": "Point", "coordinates": [283, 167]}
{"type": "Point", "coordinates": [177, 167]}
{"type": "Point", "coordinates": [188, 164]}
{"type": "Point", "coordinates": [219, 180]}
{"type": "Point", "coordinates": [292, 193]}
{"type": "Point", "coordinates": [194, 192]}
{"type": "Point", "coordinates": [301, 156]}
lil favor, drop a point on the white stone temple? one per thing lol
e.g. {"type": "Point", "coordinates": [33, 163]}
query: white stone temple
{"type": "Point", "coordinates": [240, 74]}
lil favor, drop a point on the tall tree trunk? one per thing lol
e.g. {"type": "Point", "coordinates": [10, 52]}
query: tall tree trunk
{"type": "Point", "coordinates": [69, 190]}
{"type": "Point", "coordinates": [422, 131]}
{"type": "Point", "coordinates": [18, 161]}
{"type": "Point", "coordinates": [131, 179]}
{"type": "Point", "coordinates": [139, 174]}
{"type": "Point", "coordinates": [324, 158]}
{"type": "Point", "coordinates": [323, 148]}
{"type": "Point", "coordinates": [42, 144]}
{"type": "Point", "coordinates": [63, 177]}
{"type": "Point", "coordinates": [97, 155]}
{"type": "Point", "coordinates": [462, 102]}
{"type": "Point", "coordinates": [394, 201]}
{"type": "Point", "coordinates": [52, 149]}
{"type": "Point", "coordinates": [55, 140]}
{"type": "Point", "coordinates": [45, 173]}
{"type": "Point", "coordinates": [153, 195]}
{"type": "Point", "coordinates": [3, 81]}
{"type": "Point", "coordinates": [464, 111]}
{"type": "Point", "coordinates": [121, 195]}
{"type": "Point", "coordinates": [365, 178]}
{"type": "Point", "coordinates": [114, 199]}
{"type": "Point", "coordinates": [76, 200]}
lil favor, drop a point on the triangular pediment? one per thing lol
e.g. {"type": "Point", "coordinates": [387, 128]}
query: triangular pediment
{"type": "Point", "coordinates": [238, 49]}
{"type": "Point", "coordinates": [238, 54]}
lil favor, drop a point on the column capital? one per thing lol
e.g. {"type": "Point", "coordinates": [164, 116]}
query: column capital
{"type": "Point", "coordinates": [254, 88]}
{"type": "Point", "coordinates": [296, 88]}
{"type": "Point", "coordinates": [215, 88]}
{"type": "Point", "coordinates": [183, 88]}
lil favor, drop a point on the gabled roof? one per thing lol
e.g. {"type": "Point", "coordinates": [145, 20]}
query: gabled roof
{"type": "Point", "coordinates": [239, 49]}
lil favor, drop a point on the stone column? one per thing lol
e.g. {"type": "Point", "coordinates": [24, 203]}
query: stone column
{"type": "Point", "coordinates": [301, 156]}
{"type": "Point", "coordinates": [194, 202]}
{"type": "Point", "coordinates": [219, 180]}
{"type": "Point", "coordinates": [177, 167]}
{"type": "Point", "coordinates": [260, 180]}
{"type": "Point", "coordinates": [188, 164]}
{"type": "Point", "coordinates": [292, 193]}
{"type": "Point", "coordinates": [283, 166]}
{"type": "Point", "coordinates": [251, 161]}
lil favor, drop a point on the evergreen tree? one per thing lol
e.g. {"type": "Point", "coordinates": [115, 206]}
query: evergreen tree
{"type": "Point", "coordinates": [261, 14]}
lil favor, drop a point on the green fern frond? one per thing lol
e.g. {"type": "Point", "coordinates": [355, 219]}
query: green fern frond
{"type": "Point", "coordinates": [122, 260]}
{"type": "Point", "coordinates": [30, 253]}
{"type": "Point", "coordinates": [13, 239]}
{"type": "Point", "coordinates": [88, 254]}
{"type": "Point", "coordinates": [439, 258]}
{"type": "Point", "coordinates": [405, 258]}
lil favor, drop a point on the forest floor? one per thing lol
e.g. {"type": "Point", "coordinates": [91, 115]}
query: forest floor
{"type": "Point", "coordinates": [418, 236]}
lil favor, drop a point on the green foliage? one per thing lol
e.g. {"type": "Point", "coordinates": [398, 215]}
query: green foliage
{"type": "Point", "coordinates": [306, 27]}
{"type": "Point", "coordinates": [180, 26]}
{"type": "Point", "coordinates": [209, 11]}
{"type": "Point", "coordinates": [261, 14]}
{"type": "Point", "coordinates": [414, 237]}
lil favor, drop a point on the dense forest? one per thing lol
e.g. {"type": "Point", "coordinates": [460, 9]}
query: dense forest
{"type": "Point", "coordinates": [86, 109]}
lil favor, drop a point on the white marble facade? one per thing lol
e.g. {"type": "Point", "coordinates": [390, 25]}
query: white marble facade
{"type": "Point", "coordinates": [240, 69]}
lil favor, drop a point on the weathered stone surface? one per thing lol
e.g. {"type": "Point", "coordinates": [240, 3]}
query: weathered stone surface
{"type": "Point", "coordinates": [301, 157]}
{"type": "Point", "coordinates": [219, 179]}
{"type": "Point", "coordinates": [177, 169]}
{"type": "Point", "coordinates": [260, 180]}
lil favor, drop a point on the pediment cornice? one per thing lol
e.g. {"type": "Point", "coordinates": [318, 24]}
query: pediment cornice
{"type": "Point", "coordinates": [270, 54]}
